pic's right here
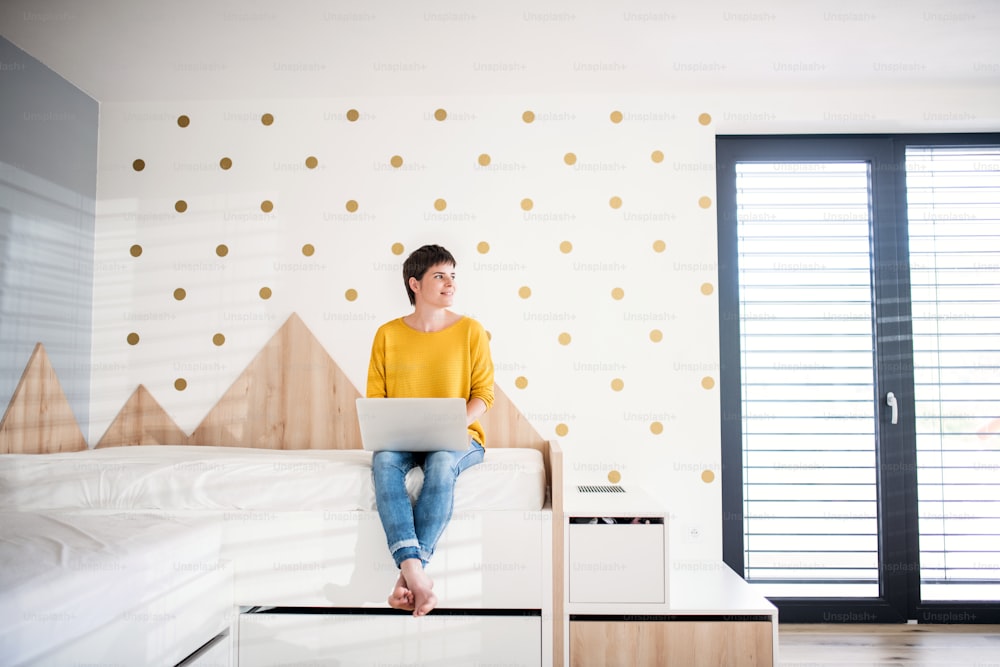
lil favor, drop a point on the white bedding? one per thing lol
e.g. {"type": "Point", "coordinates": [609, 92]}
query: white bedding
{"type": "Point", "coordinates": [177, 477]}
{"type": "Point", "coordinates": [65, 575]}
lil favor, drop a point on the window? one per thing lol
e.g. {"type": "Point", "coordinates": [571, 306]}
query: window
{"type": "Point", "coordinates": [953, 209]}
{"type": "Point", "coordinates": [809, 485]}
{"type": "Point", "coordinates": [860, 349]}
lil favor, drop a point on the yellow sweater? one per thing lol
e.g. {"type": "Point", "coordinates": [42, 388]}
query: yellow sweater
{"type": "Point", "coordinates": [451, 363]}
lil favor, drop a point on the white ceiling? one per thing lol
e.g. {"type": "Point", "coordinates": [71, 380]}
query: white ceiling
{"type": "Point", "coordinates": [140, 50]}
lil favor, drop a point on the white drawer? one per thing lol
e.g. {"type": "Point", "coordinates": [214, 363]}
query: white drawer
{"type": "Point", "coordinates": [617, 563]}
{"type": "Point", "coordinates": [384, 639]}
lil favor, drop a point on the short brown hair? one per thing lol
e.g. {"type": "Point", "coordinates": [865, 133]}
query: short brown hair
{"type": "Point", "coordinates": [419, 261]}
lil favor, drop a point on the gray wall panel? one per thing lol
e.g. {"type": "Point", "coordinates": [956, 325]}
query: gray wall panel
{"type": "Point", "coordinates": [48, 183]}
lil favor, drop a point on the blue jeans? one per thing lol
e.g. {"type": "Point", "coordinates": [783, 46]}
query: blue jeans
{"type": "Point", "coordinates": [413, 529]}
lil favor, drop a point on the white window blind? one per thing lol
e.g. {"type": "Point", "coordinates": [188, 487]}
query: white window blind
{"type": "Point", "coordinates": [953, 206]}
{"type": "Point", "coordinates": [806, 332]}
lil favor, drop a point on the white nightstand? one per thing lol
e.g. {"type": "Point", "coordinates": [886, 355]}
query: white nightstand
{"type": "Point", "coordinates": [616, 546]}
{"type": "Point", "coordinates": [622, 608]}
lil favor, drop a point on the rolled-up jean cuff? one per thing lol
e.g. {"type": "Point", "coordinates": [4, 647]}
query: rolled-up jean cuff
{"type": "Point", "coordinates": [405, 549]}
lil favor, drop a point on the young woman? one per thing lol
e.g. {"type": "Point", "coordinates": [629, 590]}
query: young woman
{"type": "Point", "coordinates": [436, 353]}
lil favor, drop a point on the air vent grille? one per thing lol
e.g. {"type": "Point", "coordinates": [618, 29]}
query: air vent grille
{"type": "Point", "coordinates": [599, 488]}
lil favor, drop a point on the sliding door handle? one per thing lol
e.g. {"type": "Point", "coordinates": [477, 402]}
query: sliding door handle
{"type": "Point", "coordinates": [890, 400]}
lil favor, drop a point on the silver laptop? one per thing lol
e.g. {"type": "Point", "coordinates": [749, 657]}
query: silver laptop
{"type": "Point", "coordinates": [413, 424]}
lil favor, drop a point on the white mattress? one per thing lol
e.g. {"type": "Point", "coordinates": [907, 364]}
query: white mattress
{"type": "Point", "coordinates": [178, 477]}
{"type": "Point", "coordinates": [64, 575]}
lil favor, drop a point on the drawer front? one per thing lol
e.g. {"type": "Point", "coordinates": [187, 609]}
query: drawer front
{"type": "Point", "coordinates": [671, 643]}
{"type": "Point", "coordinates": [617, 563]}
{"type": "Point", "coordinates": [368, 640]}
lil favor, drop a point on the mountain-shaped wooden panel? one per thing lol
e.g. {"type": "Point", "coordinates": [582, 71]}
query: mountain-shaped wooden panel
{"type": "Point", "coordinates": [503, 424]}
{"type": "Point", "coordinates": [39, 419]}
{"type": "Point", "coordinates": [142, 421]}
{"type": "Point", "coordinates": [291, 396]}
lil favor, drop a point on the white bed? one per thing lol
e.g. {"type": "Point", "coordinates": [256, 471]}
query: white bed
{"type": "Point", "coordinates": [91, 586]}
{"type": "Point", "coordinates": [276, 467]}
{"type": "Point", "coordinates": [298, 528]}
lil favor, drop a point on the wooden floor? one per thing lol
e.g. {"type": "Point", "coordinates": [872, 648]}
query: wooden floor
{"type": "Point", "coordinates": [888, 645]}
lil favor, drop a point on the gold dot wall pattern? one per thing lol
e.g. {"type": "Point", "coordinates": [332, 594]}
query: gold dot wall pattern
{"type": "Point", "coordinates": [615, 120]}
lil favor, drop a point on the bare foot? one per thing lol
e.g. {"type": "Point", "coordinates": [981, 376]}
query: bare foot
{"type": "Point", "coordinates": [401, 596]}
{"type": "Point", "coordinates": [420, 586]}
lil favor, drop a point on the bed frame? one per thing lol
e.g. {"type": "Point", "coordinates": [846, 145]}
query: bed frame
{"type": "Point", "coordinates": [294, 396]}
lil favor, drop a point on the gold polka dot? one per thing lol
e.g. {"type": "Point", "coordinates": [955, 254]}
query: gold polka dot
{"type": "Point", "coordinates": [659, 246]}
{"type": "Point", "coordinates": [656, 428]}
{"type": "Point", "coordinates": [351, 295]}
{"type": "Point", "coordinates": [311, 162]}
{"type": "Point", "coordinates": [524, 292]}
{"type": "Point", "coordinates": [397, 248]}
{"type": "Point", "coordinates": [222, 250]}
{"type": "Point", "coordinates": [705, 118]}
{"type": "Point", "coordinates": [618, 294]}
{"type": "Point", "coordinates": [617, 384]}
{"type": "Point", "coordinates": [528, 116]}
{"type": "Point", "coordinates": [521, 382]}
{"type": "Point", "coordinates": [180, 293]}
{"type": "Point", "coordinates": [707, 476]}
{"type": "Point", "coordinates": [180, 206]}
{"type": "Point", "coordinates": [440, 114]}
{"type": "Point", "coordinates": [396, 161]}
{"type": "Point", "coordinates": [614, 476]}
{"type": "Point", "coordinates": [615, 202]}
{"type": "Point", "coordinates": [705, 202]}
{"type": "Point", "coordinates": [265, 293]}
{"type": "Point", "coordinates": [565, 338]}
{"type": "Point", "coordinates": [353, 115]}
{"type": "Point", "coordinates": [569, 158]}
{"type": "Point", "coordinates": [656, 156]}
{"type": "Point", "coordinates": [565, 247]}
{"type": "Point", "coordinates": [483, 247]}
{"type": "Point", "coordinates": [132, 338]}
{"type": "Point", "coordinates": [440, 204]}
{"type": "Point", "coordinates": [616, 116]}
{"type": "Point", "coordinates": [351, 206]}
{"type": "Point", "coordinates": [226, 163]}
{"type": "Point", "coordinates": [138, 165]}
{"type": "Point", "coordinates": [527, 204]}
{"type": "Point", "coordinates": [707, 288]}
{"type": "Point", "coordinates": [183, 121]}
{"type": "Point", "coordinates": [135, 250]}
{"type": "Point", "coordinates": [267, 119]}
{"type": "Point", "coordinates": [656, 335]}
{"type": "Point", "coordinates": [308, 250]}
{"type": "Point", "coordinates": [562, 429]}
{"type": "Point", "coordinates": [180, 384]}
{"type": "Point", "coordinates": [707, 382]}
{"type": "Point", "coordinates": [267, 206]}
{"type": "Point", "coordinates": [218, 340]}
{"type": "Point", "coordinates": [484, 160]}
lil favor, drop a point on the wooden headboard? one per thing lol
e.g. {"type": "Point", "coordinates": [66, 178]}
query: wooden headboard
{"type": "Point", "coordinates": [292, 395]}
